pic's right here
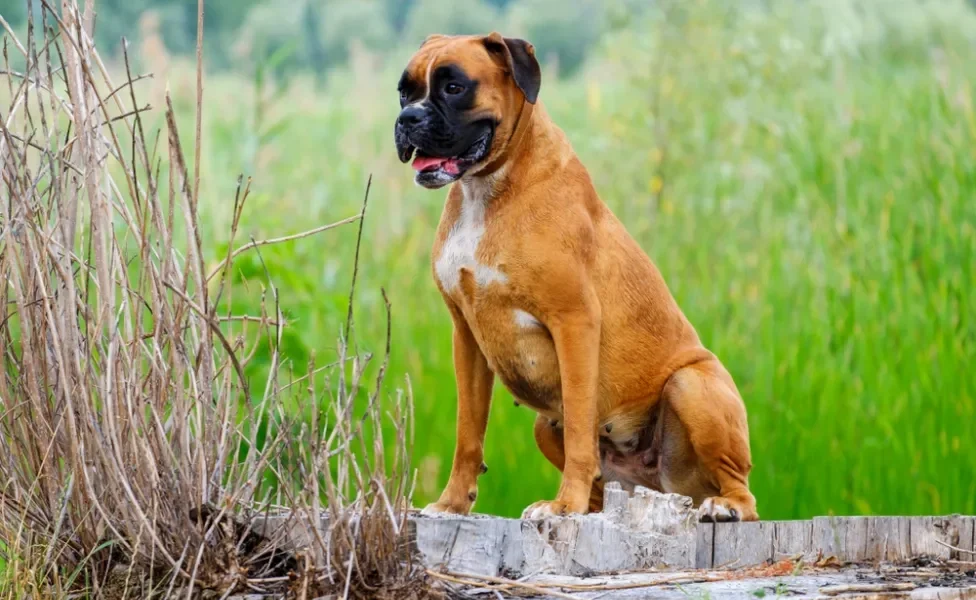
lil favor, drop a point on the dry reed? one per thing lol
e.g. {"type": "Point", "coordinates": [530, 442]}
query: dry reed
{"type": "Point", "coordinates": [136, 458]}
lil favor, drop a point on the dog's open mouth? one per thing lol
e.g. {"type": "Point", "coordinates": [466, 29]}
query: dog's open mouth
{"type": "Point", "coordinates": [436, 171]}
{"type": "Point", "coordinates": [422, 162]}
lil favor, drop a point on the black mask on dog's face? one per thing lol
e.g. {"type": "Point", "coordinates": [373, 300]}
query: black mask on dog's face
{"type": "Point", "coordinates": [439, 125]}
{"type": "Point", "coordinates": [452, 98]}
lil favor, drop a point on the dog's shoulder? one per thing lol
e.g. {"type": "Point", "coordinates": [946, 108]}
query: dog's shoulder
{"type": "Point", "coordinates": [561, 208]}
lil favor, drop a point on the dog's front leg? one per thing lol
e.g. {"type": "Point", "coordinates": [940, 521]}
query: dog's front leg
{"type": "Point", "coordinates": [576, 335]}
{"type": "Point", "coordinates": [474, 383]}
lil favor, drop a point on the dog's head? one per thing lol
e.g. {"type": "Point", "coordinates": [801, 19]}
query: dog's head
{"type": "Point", "coordinates": [460, 98]}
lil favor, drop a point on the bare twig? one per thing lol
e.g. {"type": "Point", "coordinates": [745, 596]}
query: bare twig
{"type": "Point", "coordinates": [956, 549]}
{"type": "Point", "coordinates": [287, 238]}
{"type": "Point", "coordinates": [198, 142]}
{"type": "Point", "coordinates": [482, 580]}
{"type": "Point", "coordinates": [355, 260]}
{"type": "Point", "coordinates": [867, 588]}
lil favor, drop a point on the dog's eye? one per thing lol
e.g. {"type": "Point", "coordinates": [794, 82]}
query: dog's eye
{"type": "Point", "coordinates": [403, 95]}
{"type": "Point", "coordinates": [453, 89]}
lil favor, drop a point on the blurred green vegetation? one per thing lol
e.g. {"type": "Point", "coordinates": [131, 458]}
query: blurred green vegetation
{"type": "Point", "coordinates": [803, 174]}
{"type": "Point", "coordinates": [320, 32]}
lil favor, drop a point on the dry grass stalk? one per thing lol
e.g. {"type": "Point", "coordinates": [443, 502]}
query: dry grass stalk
{"type": "Point", "coordinates": [134, 453]}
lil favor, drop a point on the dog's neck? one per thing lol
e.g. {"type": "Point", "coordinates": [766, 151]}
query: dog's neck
{"type": "Point", "coordinates": [533, 131]}
{"type": "Point", "coordinates": [481, 189]}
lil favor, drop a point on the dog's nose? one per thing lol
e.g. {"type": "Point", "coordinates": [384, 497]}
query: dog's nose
{"type": "Point", "coordinates": [410, 115]}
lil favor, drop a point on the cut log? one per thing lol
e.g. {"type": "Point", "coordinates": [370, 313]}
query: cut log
{"type": "Point", "coordinates": [646, 530]}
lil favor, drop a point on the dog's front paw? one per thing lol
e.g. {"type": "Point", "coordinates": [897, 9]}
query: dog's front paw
{"type": "Point", "coordinates": [456, 499]}
{"type": "Point", "coordinates": [718, 509]}
{"type": "Point", "coordinates": [550, 508]}
{"type": "Point", "coordinates": [443, 507]}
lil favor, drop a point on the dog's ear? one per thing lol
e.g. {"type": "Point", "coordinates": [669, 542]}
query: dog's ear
{"type": "Point", "coordinates": [519, 56]}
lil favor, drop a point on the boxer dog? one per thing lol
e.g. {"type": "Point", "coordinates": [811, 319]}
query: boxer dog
{"type": "Point", "coordinates": [548, 292]}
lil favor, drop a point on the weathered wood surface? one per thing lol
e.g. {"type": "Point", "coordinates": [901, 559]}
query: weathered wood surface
{"type": "Point", "coordinates": [849, 539]}
{"type": "Point", "coordinates": [640, 531]}
{"type": "Point", "coordinates": [714, 591]}
{"type": "Point", "coordinates": [810, 584]}
{"type": "Point", "coordinates": [647, 530]}
{"type": "Point", "coordinates": [837, 584]}
{"type": "Point", "coordinates": [652, 531]}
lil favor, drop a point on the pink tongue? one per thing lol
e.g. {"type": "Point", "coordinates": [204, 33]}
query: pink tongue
{"type": "Point", "coordinates": [425, 163]}
{"type": "Point", "coordinates": [422, 163]}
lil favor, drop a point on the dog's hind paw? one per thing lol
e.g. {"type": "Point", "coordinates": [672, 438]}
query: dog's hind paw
{"type": "Point", "coordinates": [546, 508]}
{"type": "Point", "coordinates": [723, 510]}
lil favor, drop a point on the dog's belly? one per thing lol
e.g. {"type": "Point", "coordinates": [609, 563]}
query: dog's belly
{"type": "Point", "coordinates": [521, 352]}
{"type": "Point", "coordinates": [531, 373]}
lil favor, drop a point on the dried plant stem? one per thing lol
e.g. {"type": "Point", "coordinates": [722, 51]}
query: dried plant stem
{"type": "Point", "coordinates": [287, 238]}
{"type": "Point", "coordinates": [497, 583]}
{"type": "Point", "coordinates": [956, 549]}
{"type": "Point", "coordinates": [198, 142]}
{"type": "Point", "coordinates": [134, 462]}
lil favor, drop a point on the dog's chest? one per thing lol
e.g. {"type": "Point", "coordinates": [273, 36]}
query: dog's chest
{"type": "Point", "coordinates": [470, 268]}
{"type": "Point", "coordinates": [460, 250]}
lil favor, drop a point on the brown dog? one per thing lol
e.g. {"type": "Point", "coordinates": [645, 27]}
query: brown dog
{"type": "Point", "coordinates": [549, 292]}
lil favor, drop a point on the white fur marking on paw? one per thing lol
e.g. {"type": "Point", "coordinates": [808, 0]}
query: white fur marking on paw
{"type": "Point", "coordinates": [538, 511]}
{"type": "Point", "coordinates": [431, 509]}
{"type": "Point", "coordinates": [717, 511]}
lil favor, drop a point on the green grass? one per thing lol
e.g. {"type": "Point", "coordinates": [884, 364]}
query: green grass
{"type": "Point", "coordinates": [804, 178]}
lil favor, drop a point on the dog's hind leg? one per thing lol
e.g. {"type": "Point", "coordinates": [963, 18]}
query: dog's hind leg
{"type": "Point", "coordinates": [549, 438]}
{"type": "Point", "coordinates": [711, 423]}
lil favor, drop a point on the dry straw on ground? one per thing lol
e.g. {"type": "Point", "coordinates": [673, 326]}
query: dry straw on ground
{"type": "Point", "coordinates": [135, 455]}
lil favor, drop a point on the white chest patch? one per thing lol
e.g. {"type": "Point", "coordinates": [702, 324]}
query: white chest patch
{"type": "Point", "coordinates": [462, 244]}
